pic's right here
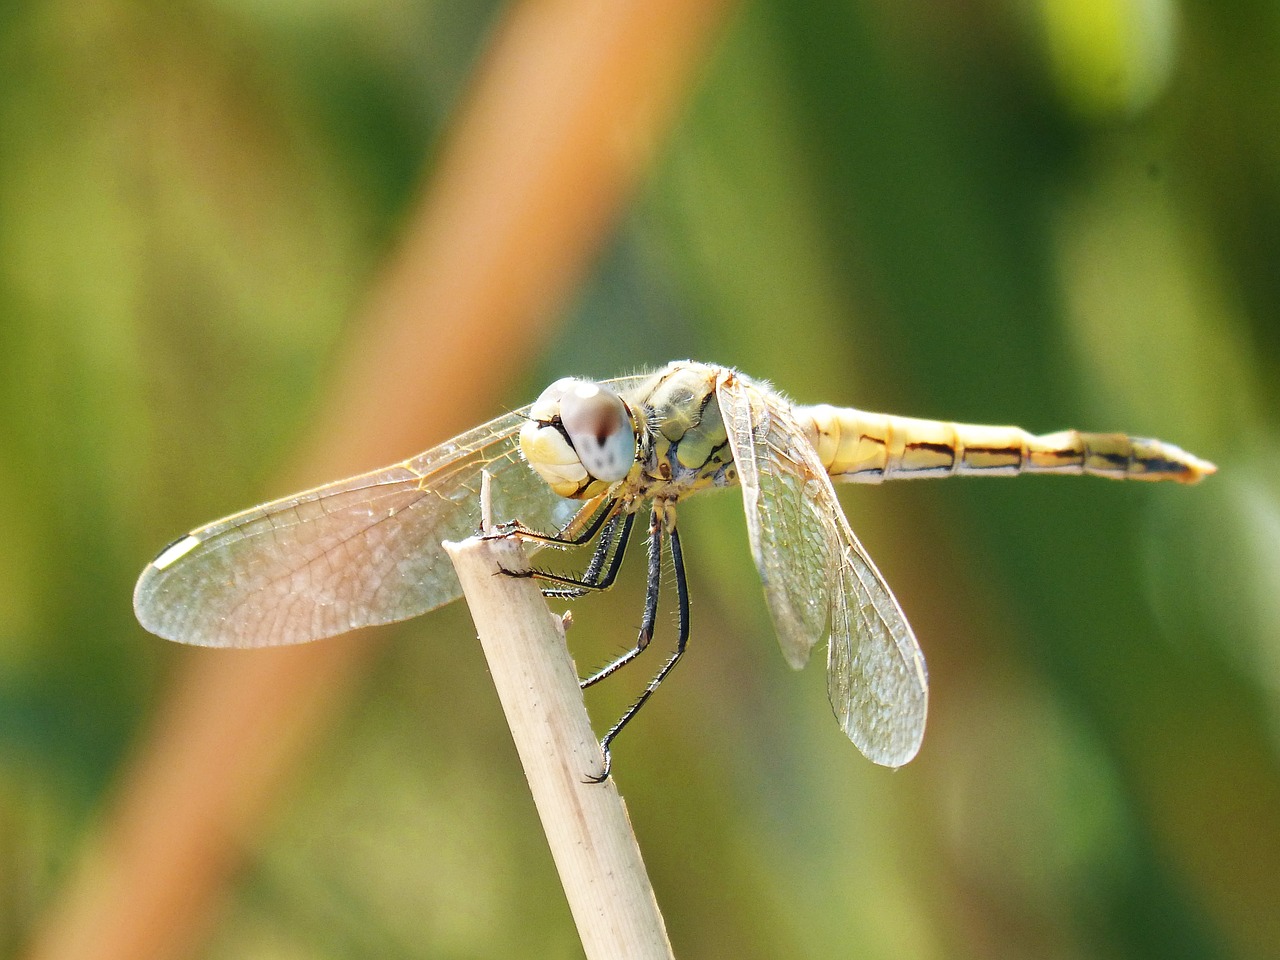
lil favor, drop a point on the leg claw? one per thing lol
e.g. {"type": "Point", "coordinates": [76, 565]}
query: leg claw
{"type": "Point", "coordinates": [608, 763]}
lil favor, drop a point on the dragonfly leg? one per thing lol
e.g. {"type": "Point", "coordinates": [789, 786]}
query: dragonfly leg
{"type": "Point", "coordinates": [682, 637]}
{"type": "Point", "coordinates": [607, 512]}
{"type": "Point", "coordinates": [650, 608]}
{"type": "Point", "coordinates": [613, 539]}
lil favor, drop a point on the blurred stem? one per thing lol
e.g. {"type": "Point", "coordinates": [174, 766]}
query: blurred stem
{"type": "Point", "coordinates": [586, 823]}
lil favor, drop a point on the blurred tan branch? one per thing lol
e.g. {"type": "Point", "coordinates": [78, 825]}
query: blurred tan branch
{"type": "Point", "coordinates": [560, 122]}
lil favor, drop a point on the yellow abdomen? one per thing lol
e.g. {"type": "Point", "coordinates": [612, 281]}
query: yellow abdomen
{"type": "Point", "coordinates": [860, 447]}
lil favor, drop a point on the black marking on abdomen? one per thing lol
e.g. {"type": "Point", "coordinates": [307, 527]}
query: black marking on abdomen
{"type": "Point", "coordinates": [1118, 459]}
{"type": "Point", "coordinates": [1008, 457]}
{"type": "Point", "coordinates": [933, 447]}
{"type": "Point", "coordinates": [1161, 465]}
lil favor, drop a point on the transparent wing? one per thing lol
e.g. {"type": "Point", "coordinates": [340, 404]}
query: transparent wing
{"type": "Point", "coordinates": [819, 581]}
{"type": "Point", "coordinates": [876, 676]}
{"type": "Point", "coordinates": [358, 552]}
{"type": "Point", "coordinates": [361, 551]}
{"type": "Point", "coordinates": [792, 538]}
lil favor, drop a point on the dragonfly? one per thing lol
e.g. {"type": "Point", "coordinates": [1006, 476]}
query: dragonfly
{"type": "Point", "coordinates": [575, 468]}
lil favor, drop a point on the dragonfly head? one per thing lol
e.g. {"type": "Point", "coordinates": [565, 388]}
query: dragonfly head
{"type": "Point", "coordinates": [580, 438]}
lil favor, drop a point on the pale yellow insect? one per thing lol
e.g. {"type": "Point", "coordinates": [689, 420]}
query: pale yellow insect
{"type": "Point", "coordinates": [579, 463]}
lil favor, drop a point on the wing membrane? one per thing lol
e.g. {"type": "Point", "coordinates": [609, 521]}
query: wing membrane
{"type": "Point", "coordinates": [791, 538]}
{"type": "Point", "coordinates": [819, 581]}
{"type": "Point", "coordinates": [361, 551]}
{"type": "Point", "coordinates": [876, 676]}
{"type": "Point", "coordinates": [354, 553]}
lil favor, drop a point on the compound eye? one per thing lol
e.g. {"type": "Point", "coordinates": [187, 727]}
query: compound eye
{"type": "Point", "coordinates": [600, 430]}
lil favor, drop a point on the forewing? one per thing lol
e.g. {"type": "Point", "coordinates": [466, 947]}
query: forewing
{"type": "Point", "coordinates": [361, 551]}
{"type": "Point", "coordinates": [818, 579]}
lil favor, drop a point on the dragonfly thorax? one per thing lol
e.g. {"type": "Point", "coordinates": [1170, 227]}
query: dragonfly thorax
{"type": "Point", "coordinates": [580, 438]}
{"type": "Point", "coordinates": [688, 448]}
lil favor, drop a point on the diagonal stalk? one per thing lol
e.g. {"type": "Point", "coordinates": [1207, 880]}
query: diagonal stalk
{"type": "Point", "coordinates": [586, 822]}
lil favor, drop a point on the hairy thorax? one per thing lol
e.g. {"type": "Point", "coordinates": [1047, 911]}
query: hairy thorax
{"type": "Point", "coordinates": [684, 446]}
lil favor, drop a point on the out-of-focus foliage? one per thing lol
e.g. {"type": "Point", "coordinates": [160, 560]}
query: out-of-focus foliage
{"type": "Point", "coordinates": [1052, 213]}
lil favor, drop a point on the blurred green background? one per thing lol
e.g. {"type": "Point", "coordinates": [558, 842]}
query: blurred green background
{"type": "Point", "coordinates": [1053, 213]}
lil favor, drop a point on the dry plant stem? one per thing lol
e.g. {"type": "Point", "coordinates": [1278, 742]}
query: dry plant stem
{"type": "Point", "coordinates": [586, 823]}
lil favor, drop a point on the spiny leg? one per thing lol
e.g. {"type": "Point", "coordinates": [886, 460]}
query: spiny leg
{"type": "Point", "coordinates": [608, 511]}
{"type": "Point", "coordinates": [606, 517]}
{"type": "Point", "coordinates": [608, 536]}
{"type": "Point", "coordinates": [612, 538]}
{"type": "Point", "coordinates": [650, 607]}
{"type": "Point", "coordinates": [682, 640]}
